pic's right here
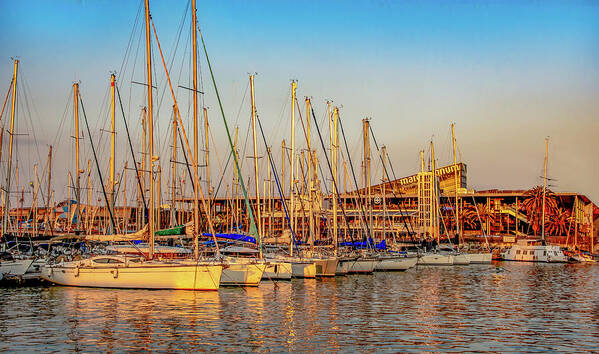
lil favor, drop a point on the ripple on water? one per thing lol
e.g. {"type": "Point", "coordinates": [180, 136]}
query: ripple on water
{"type": "Point", "coordinates": [527, 307]}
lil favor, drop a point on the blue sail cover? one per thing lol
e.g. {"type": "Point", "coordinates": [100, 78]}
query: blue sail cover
{"type": "Point", "coordinates": [370, 244]}
{"type": "Point", "coordinates": [234, 237]}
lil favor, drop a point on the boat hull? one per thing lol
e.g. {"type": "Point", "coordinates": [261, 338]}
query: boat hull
{"type": "Point", "coordinates": [15, 268]}
{"type": "Point", "coordinates": [148, 275]}
{"type": "Point", "coordinates": [480, 258]}
{"type": "Point", "coordinates": [342, 267]}
{"type": "Point", "coordinates": [276, 270]}
{"type": "Point", "coordinates": [435, 259]}
{"type": "Point", "coordinates": [242, 274]}
{"type": "Point", "coordinates": [395, 264]}
{"type": "Point", "coordinates": [522, 252]}
{"type": "Point", "coordinates": [326, 267]}
{"type": "Point", "coordinates": [362, 266]}
{"type": "Point", "coordinates": [303, 269]}
{"type": "Point", "coordinates": [461, 259]}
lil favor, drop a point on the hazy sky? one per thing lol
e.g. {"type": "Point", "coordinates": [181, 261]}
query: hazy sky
{"type": "Point", "coordinates": [507, 73]}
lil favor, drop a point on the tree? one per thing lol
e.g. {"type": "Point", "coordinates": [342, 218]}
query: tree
{"type": "Point", "coordinates": [533, 206]}
{"type": "Point", "coordinates": [558, 222]}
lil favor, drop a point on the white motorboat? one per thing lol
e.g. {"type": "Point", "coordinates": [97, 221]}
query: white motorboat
{"type": "Point", "coordinates": [534, 250]}
{"type": "Point", "coordinates": [119, 271]}
{"type": "Point", "coordinates": [395, 263]}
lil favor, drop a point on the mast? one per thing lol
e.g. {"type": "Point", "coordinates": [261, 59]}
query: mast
{"type": "Point", "coordinates": [150, 124]}
{"type": "Point", "coordinates": [194, 40]}
{"type": "Point", "coordinates": [49, 223]}
{"type": "Point", "coordinates": [457, 209]}
{"type": "Point", "coordinates": [111, 180]}
{"type": "Point", "coordinates": [291, 203]}
{"type": "Point", "coordinates": [236, 180]}
{"type": "Point", "coordinates": [126, 213]}
{"type": "Point", "coordinates": [383, 155]}
{"type": "Point", "coordinates": [544, 189]}
{"type": "Point", "coordinates": [434, 195]}
{"type": "Point", "coordinates": [334, 151]}
{"type": "Point", "coordinates": [209, 188]}
{"type": "Point", "coordinates": [35, 189]}
{"type": "Point", "coordinates": [12, 133]}
{"type": "Point", "coordinates": [310, 180]}
{"type": "Point", "coordinates": [196, 215]}
{"type": "Point", "coordinates": [282, 183]}
{"type": "Point", "coordinates": [174, 168]}
{"type": "Point", "coordinates": [144, 165]}
{"type": "Point", "coordinates": [256, 179]}
{"type": "Point", "coordinates": [367, 181]}
{"type": "Point", "coordinates": [89, 197]}
{"type": "Point", "coordinates": [77, 169]}
{"type": "Point", "coordinates": [269, 195]}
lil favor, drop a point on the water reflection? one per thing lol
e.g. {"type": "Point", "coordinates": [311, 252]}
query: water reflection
{"type": "Point", "coordinates": [545, 306]}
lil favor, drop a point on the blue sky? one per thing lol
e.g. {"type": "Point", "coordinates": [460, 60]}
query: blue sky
{"type": "Point", "coordinates": [507, 73]}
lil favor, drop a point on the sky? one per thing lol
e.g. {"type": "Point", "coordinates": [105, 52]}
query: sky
{"type": "Point", "coordinates": [507, 73]}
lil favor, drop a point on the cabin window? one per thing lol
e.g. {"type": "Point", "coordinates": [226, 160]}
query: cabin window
{"type": "Point", "coordinates": [518, 252]}
{"type": "Point", "coordinates": [544, 253]}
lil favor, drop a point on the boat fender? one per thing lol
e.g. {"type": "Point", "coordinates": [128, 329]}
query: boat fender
{"type": "Point", "coordinates": [115, 272]}
{"type": "Point", "coordinates": [77, 273]}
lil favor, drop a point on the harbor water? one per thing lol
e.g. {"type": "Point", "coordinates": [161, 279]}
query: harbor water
{"type": "Point", "coordinates": [499, 307]}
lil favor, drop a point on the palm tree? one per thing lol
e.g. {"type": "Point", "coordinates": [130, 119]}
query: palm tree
{"type": "Point", "coordinates": [469, 217]}
{"type": "Point", "coordinates": [533, 206]}
{"type": "Point", "coordinates": [558, 222]}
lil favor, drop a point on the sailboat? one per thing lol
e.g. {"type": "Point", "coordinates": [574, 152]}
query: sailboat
{"type": "Point", "coordinates": [436, 256]}
{"type": "Point", "coordinates": [11, 265]}
{"type": "Point", "coordinates": [535, 250]}
{"type": "Point", "coordinates": [387, 261]}
{"type": "Point", "coordinates": [469, 257]}
{"type": "Point", "coordinates": [124, 271]}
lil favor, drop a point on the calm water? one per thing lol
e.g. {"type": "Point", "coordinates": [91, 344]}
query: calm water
{"type": "Point", "coordinates": [527, 307]}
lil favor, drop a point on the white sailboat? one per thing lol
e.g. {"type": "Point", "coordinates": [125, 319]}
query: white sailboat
{"type": "Point", "coordinates": [121, 271]}
{"type": "Point", "coordinates": [11, 266]}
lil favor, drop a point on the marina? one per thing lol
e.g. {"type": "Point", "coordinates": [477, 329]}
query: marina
{"type": "Point", "coordinates": [163, 210]}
